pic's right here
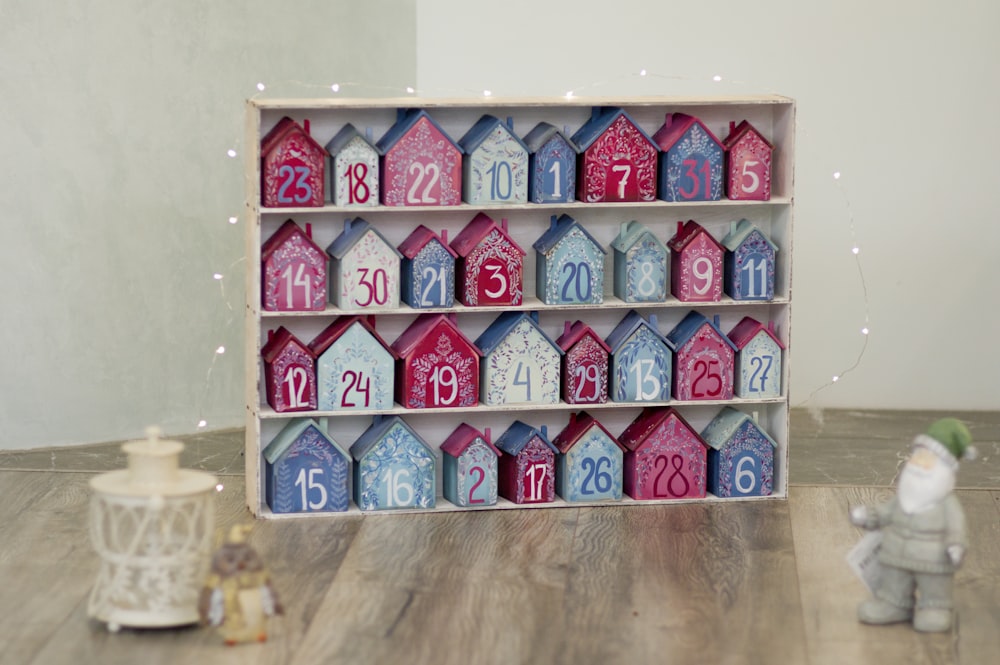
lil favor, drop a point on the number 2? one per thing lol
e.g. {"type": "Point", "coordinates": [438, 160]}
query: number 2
{"type": "Point", "coordinates": [432, 172]}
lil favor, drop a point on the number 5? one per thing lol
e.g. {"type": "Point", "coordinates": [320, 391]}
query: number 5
{"type": "Point", "coordinates": [754, 178]}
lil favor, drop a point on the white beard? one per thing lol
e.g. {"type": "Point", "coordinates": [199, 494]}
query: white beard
{"type": "Point", "coordinates": [920, 488]}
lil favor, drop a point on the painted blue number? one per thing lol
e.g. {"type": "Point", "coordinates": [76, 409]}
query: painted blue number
{"type": "Point", "coordinates": [754, 282]}
{"type": "Point", "coordinates": [303, 192]}
{"type": "Point", "coordinates": [501, 180]}
{"type": "Point", "coordinates": [602, 480]}
{"type": "Point", "coordinates": [526, 382]}
{"type": "Point", "coordinates": [761, 365]}
{"type": "Point", "coordinates": [579, 278]}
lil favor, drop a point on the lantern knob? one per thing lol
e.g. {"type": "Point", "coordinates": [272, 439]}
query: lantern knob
{"type": "Point", "coordinates": [153, 463]}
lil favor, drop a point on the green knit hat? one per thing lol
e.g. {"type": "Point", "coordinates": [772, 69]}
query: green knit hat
{"type": "Point", "coordinates": [950, 439]}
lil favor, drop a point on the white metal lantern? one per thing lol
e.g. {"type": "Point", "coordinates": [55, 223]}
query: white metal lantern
{"type": "Point", "coordinates": [152, 526]}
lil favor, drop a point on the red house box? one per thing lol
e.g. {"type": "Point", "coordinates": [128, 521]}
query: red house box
{"type": "Point", "coordinates": [696, 271]}
{"type": "Point", "coordinates": [289, 372]}
{"type": "Point", "coordinates": [617, 159]}
{"type": "Point", "coordinates": [665, 458]}
{"type": "Point", "coordinates": [585, 365]}
{"type": "Point", "coordinates": [490, 265]}
{"type": "Point", "coordinates": [527, 471]}
{"type": "Point", "coordinates": [691, 160]}
{"type": "Point", "coordinates": [420, 164]}
{"type": "Point", "coordinates": [292, 167]}
{"type": "Point", "coordinates": [748, 163]}
{"type": "Point", "coordinates": [470, 467]}
{"type": "Point", "coordinates": [438, 366]}
{"type": "Point", "coordinates": [293, 271]}
{"type": "Point", "coordinates": [703, 359]}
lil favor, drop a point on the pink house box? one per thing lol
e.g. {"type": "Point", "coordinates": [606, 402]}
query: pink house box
{"type": "Point", "coordinates": [353, 168]}
{"type": "Point", "coordinates": [617, 159]}
{"type": "Point", "coordinates": [428, 270]}
{"type": "Point", "coordinates": [757, 373]}
{"type": "Point", "coordinates": [364, 268]}
{"type": "Point", "coordinates": [293, 271]}
{"type": "Point", "coordinates": [696, 264]}
{"type": "Point", "coordinates": [470, 467]}
{"type": "Point", "coordinates": [585, 365]}
{"type": "Point", "coordinates": [289, 372]}
{"type": "Point", "coordinates": [703, 359]}
{"type": "Point", "coordinates": [750, 263]}
{"type": "Point", "coordinates": [421, 165]}
{"type": "Point", "coordinates": [665, 458]}
{"type": "Point", "coordinates": [490, 265]}
{"type": "Point", "coordinates": [748, 163]}
{"type": "Point", "coordinates": [437, 365]}
{"type": "Point", "coordinates": [292, 167]}
{"type": "Point", "coordinates": [691, 160]}
{"type": "Point", "coordinates": [354, 367]}
{"type": "Point", "coordinates": [589, 467]}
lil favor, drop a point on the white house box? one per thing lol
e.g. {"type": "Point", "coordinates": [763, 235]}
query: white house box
{"type": "Point", "coordinates": [520, 363]}
{"type": "Point", "coordinates": [641, 360]}
{"type": "Point", "coordinates": [393, 467]}
{"type": "Point", "coordinates": [355, 368]}
{"type": "Point", "coordinates": [306, 469]}
{"type": "Point", "coordinates": [353, 168]}
{"type": "Point", "coordinates": [740, 455]}
{"type": "Point", "coordinates": [640, 264]}
{"type": "Point", "coordinates": [749, 263]}
{"type": "Point", "coordinates": [364, 268]}
{"type": "Point", "coordinates": [757, 374]}
{"type": "Point", "coordinates": [551, 165]}
{"type": "Point", "coordinates": [495, 165]}
{"type": "Point", "coordinates": [569, 265]}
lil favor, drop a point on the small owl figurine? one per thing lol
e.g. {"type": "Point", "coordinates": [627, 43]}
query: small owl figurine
{"type": "Point", "coordinates": [238, 597]}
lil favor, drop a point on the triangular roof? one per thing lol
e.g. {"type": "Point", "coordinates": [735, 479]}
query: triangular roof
{"type": "Point", "coordinates": [647, 422]}
{"type": "Point", "coordinates": [630, 233]}
{"type": "Point", "coordinates": [279, 237]}
{"type": "Point", "coordinates": [737, 132]}
{"type": "Point", "coordinates": [688, 231]}
{"type": "Point", "coordinates": [291, 432]}
{"type": "Point", "coordinates": [628, 325]}
{"type": "Point", "coordinates": [340, 325]}
{"type": "Point", "coordinates": [518, 435]}
{"type": "Point", "coordinates": [474, 232]}
{"type": "Point", "coordinates": [406, 119]}
{"type": "Point", "coordinates": [729, 420]}
{"type": "Point", "coordinates": [544, 132]}
{"type": "Point", "coordinates": [423, 324]}
{"type": "Point", "coordinates": [463, 437]}
{"type": "Point", "coordinates": [574, 333]}
{"type": "Point", "coordinates": [558, 228]}
{"type": "Point", "coordinates": [418, 239]}
{"type": "Point", "coordinates": [354, 230]}
{"type": "Point", "coordinates": [601, 119]}
{"type": "Point", "coordinates": [739, 232]}
{"type": "Point", "coordinates": [283, 129]}
{"type": "Point", "coordinates": [347, 134]}
{"type": "Point", "coordinates": [379, 427]}
{"type": "Point", "coordinates": [747, 329]}
{"type": "Point", "coordinates": [579, 424]}
{"type": "Point", "coordinates": [278, 341]}
{"type": "Point", "coordinates": [502, 326]}
{"type": "Point", "coordinates": [483, 128]}
{"type": "Point", "coordinates": [690, 325]}
{"type": "Point", "coordinates": [674, 126]}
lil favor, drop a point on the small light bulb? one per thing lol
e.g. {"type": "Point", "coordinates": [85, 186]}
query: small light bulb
{"type": "Point", "coordinates": [220, 350]}
{"type": "Point", "coordinates": [233, 220]}
{"type": "Point", "coordinates": [835, 379]}
{"type": "Point", "coordinates": [409, 89]}
{"type": "Point", "coordinates": [569, 95]}
{"type": "Point", "coordinates": [855, 250]}
{"type": "Point", "coordinates": [487, 93]}
{"type": "Point", "coordinates": [217, 276]}
{"type": "Point", "coordinates": [836, 175]}
{"type": "Point", "coordinates": [335, 87]}
{"type": "Point", "coordinates": [716, 78]}
{"type": "Point", "coordinates": [261, 87]}
{"type": "Point", "coordinates": [218, 488]}
{"type": "Point", "coordinates": [202, 423]}
{"type": "Point", "coordinates": [231, 152]}
{"type": "Point", "coordinates": [642, 72]}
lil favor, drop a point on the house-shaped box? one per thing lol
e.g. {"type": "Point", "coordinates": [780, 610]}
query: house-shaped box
{"type": "Point", "coordinates": [740, 455]}
{"type": "Point", "coordinates": [585, 365]}
{"type": "Point", "coordinates": [750, 263]}
{"type": "Point", "coordinates": [520, 363]}
{"type": "Point", "coordinates": [551, 165]}
{"type": "Point", "coordinates": [495, 165]}
{"type": "Point", "coordinates": [569, 265]}
{"type": "Point", "coordinates": [437, 365]}
{"type": "Point", "coordinates": [640, 264]}
{"type": "Point", "coordinates": [353, 168]}
{"type": "Point", "coordinates": [490, 265]}
{"type": "Point", "coordinates": [393, 467]}
{"type": "Point", "coordinates": [691, 160]}
{"type": "Point", "coordinates": [589, 466]}
{"type": "Point", "coordinates": [748, 163]}
{"type": "Point", "coordinates": [428, 269]}
{"type": "Point", "coordinates": [757, 372]}
{"type": "Point", "coordinates": [696, 264]}
{"type": "Point", "coordinates": [355, 369]}
{"type": "Point", "coordinates": [292, 167]}
{"type": "Point", "coordinates": [641, 361]}
{"type": "Point", "coordinates": [293, 271]}
{"type": "Point", "coordinates": [306, 470]}
{"type": "Point", "coordinates": [289, 372]}
{"type": "Point", "coordinates": [470, 467]}
{"type": "Point", "coordinates": [703, 359]}
{"type": "Point", "coordinates": [527, 465]}
{"type": "Point", "coordinates": [420, 164]}
{"type": "Point", "coordinates": [617, 160]}
{"type": "Point", "coordinates": [364, 268]}
{"type": "Point", "coordinates": [665, 458]}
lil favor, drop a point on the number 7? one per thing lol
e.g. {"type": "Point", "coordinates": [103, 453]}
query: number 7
{"type": "Point", "coordinates": [626, 169]}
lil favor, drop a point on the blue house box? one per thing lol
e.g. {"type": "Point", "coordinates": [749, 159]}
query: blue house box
{"type": "Point", "coordinates": [495, 166]}
{"type": "Point", "coordinates": [470, 467]}
{"type": "Point", "coordinates": [569, 265]}
{"type": "Point", "coordinates": [749, 263]}
{"type": "Point", "coordinates": [641, 361]}
{"type": "Point", "coordinates": [393, 467]}
{"type": "Point", "coordinates": [551, 165]}
{"type": "Point", "coordinates": [641, 261]}
{"type": "Point", "coordinates": [520, 363]}
{"type": "Point", "coordinates": [427, 275]}
{"type": "Point", "coordinates": [590, 461]}
{"type": "Point", "coordinates": [740, 455]}
{"type": "Point", "coordinates": [691, 160]}
{"type": "Point", "coordinates": [306, 469]}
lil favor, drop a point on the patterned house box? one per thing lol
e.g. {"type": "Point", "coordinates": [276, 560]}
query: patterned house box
{"type": "Point", "coordinates": [490, 265]}
{"type": "Point", "coordinates": [703, 359]}
{"type": "Point", "coordinates": [495, 166]}
{"type": "Point", "coordinates": [750, 263]}
{"type": "Point", "coordinates": [437, 365]}
{"type": "Point", "coordinates": [527, 465]}
{"type": "Point", "coordinates": [355, 369]}
{"type": "Point", "coordinates": [353, 168]}
{"type": "Point", "coordinates": [393, 467]}
{"type": "Point", "coordinates": [748, 163]}
{"type": "Point", "coordinates": [520, 363]}
{"type": "Point", "coordinates": [293, 271]}
{"type": "Point", "coordinates": [428, 269]}
{"type": "Point", "coordinates": [691, 160]}
{"type": "Point", "coordinates": [420, 165]}
{"type": "Point", "coordinates": [364, 268]}
{"type": "Point", "coordinates": [740, 456]}
{"type": "Point", "coordinates": [551, 165]}
{"type": "Point", "coordinates": [641, 361]}
{"type": "Point", "coordinates": [590, 461]}
{"type": "Point", "coordinates": [569, 265]}
{"type": "Point", "coordinates": [292, 167]}
{"type": "Point", "coordinates": [640, 265]}
{"type": "Point", "coordinates": [617, 159]}
{"type": "Point", "coordinates": [585, 365]}
{"type": "Point", "coordinates": [696, 264]}
{"type": "Point", "coordinates": [757, 373]}
{"type": "Point", "coordinates": [665, 458]}
{"type": "Point", "coordinates": [306, 470]}
{"type": "Point", "coordinates": [289, 372]}
{"type": "Point", "coordinates": [470, 467]}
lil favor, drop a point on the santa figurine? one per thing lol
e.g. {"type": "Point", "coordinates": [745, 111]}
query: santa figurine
{"type": "Point", "coordinates": [923, 533]}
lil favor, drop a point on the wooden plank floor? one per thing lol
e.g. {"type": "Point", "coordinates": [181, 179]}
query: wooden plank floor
{"type": "Point", "coordinates": [751, 582]}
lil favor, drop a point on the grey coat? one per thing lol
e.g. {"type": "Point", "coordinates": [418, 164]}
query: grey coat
{"type": "Point", "coordinates": [919, 542]}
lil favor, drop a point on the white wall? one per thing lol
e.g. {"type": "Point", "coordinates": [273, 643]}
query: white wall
{"type": "Point", "coordinates": [900, 98]}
